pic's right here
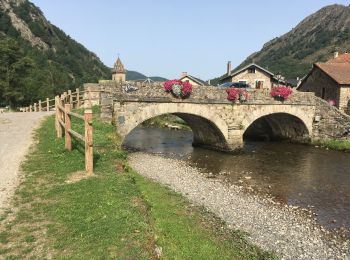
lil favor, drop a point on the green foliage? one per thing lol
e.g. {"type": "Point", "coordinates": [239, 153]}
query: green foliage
{"type": "Point", "coordinates": [15, 68]}
{"type": "Point", "coordinates": [65, 64]}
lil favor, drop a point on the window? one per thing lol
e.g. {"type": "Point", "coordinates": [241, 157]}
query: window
{"type": "Point", "coordinates": [259, 84]}
{"type": "Point", "coordinates": [251, 70]}
{"type": "Point", "coordinates": [323, 93]}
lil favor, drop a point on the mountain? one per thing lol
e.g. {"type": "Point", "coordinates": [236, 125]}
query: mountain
{"type": "Point", "coordinates": [134, 75]}
{"type": "Point", "coordinates": [313, 40]}
{"type": "Point", "coordinates": [38, 60]}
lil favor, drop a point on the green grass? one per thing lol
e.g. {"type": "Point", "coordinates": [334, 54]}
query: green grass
{"type": "Point", "coordinates": [341, 145]}
{"type": "Point", "coordinates": [115, 214]}
{"type": "Point", "coordinates": [163, 120]}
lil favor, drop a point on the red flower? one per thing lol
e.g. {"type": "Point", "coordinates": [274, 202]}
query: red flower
{"type": "Point", "coordinates": [282, 92]}
{"type": "Point", "coordinates": [234, 94]}
{"type": "Point", "coordinates": [186, 87]}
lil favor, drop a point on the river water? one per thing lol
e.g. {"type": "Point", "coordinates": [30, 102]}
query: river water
{"type": "Point", "coordinates": [299, 175]}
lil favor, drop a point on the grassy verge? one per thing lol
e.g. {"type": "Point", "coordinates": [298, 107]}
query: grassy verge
{"type": "Point", "coordinates": [164, 121]}
{"type": "Point", "coordinates": [116, 214]}
{"type": "Point", "coordinates": [340, 145]}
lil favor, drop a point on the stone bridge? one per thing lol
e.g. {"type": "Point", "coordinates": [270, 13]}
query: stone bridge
{"type": "Point", "coordinates": [218, 123]}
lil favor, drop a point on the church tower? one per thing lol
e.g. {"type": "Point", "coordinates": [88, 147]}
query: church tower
{"type": "Point", "coordinates": [118, 71]}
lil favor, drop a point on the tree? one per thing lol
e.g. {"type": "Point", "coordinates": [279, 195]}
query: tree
{"type": "Point", "coordinates": [14, 69]}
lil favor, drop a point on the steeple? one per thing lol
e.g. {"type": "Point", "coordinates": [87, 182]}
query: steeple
{"type": "Point", "coordinates": [118, 71]}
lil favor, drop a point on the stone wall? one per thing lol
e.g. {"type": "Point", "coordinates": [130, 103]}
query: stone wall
{"type": "Point", "coordinates": [330, 123]}
{"type": "Point", "coordinates": [344, 97]}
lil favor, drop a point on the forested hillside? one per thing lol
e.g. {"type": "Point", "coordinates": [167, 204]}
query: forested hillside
{"type": "Point", "coordinates": [313, 40]}
{"type": "Point", "coordinates": [37, 59]}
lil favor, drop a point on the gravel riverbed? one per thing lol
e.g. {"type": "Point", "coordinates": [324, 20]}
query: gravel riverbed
{"type": "Point", "coordinates": [286, 230]}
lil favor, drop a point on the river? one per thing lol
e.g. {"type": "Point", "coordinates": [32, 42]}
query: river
{"type": "Point", "coordinates": [300, 175]}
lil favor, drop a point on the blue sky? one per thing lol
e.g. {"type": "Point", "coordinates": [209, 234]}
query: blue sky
{"type": "Point", "coordinates": [167, 37]}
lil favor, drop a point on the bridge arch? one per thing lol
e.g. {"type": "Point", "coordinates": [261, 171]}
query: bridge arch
{"type": "Point", "coordinates": [276, 123]}
{"type": "Point", "coordinates": [209, 130]}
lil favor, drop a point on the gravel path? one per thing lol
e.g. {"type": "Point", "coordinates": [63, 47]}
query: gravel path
{"type": "Point", "coordinates": [15, 138]}
{"type": "Point", "coordinates": [284, 229]}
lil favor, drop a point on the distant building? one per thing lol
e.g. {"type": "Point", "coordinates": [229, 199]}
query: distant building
{"type": "Point", "coordinates": [118, 71]}
{"type": "Point", "coordinates": [254, 75]}
{"type": "Point", "coordinates": [193, 80]}
{"type": "Point", "coordinates": [330, 81]}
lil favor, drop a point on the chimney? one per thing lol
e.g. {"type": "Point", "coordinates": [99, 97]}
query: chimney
{"type": "Point", "coordinates": [336, 54]}
{"type": "Point", "coordinates": [228, 68]}
{"type": "Point", "coordinates": [183, 74]}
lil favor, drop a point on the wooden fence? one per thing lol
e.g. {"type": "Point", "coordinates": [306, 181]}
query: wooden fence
{"type": "Point", "coordinates": [62, 106]}
{"type": "Point", "coordinates": [76, 100]}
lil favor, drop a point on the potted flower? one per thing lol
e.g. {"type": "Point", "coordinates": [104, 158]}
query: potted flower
{"type": "Point", "coordinates": [281, 92]}
{"type": "Point", "coordinates": [237, 95]}
{"type": "Point", "coordinates": [178, 88]}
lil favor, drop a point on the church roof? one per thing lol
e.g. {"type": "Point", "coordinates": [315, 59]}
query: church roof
{"type": "Point", "coordinates": [118, 67]}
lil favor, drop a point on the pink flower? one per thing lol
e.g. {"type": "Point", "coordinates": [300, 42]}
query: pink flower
{"type": "Point", "coordinates": [234, 94]}
{"type": "Point", "coordinates": [282, 92]}
{"type": "Point", "coordinates": [186, 87]}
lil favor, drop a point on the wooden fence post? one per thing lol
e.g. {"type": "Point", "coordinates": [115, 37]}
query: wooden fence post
{"type": "Point", "coordinates": [47, 104]}
{"type": "Point", "coordinates": [78, 98]}
{"type": "Point", "coordinates": [58, 117]}
{"type": "Point", "coordinates": [89, 98]}
{"type": "Point", "coordinates": [35, 108]}
{"type": "Point", "coordinates": [70, 98]}
{"type": "Point", "coordinates": [40, 107]}
{"type": "Point", "coordinates": [67, 122]}
{"type": "Point", "coordinates": [30, 108]}
{"type": "Point", "coordinates": [89, 161]}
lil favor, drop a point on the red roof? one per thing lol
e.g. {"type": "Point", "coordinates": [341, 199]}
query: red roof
{"type": "Point", "coordinates": [342, 58]}
{"type": "Point", "coordinates": [340, 72]}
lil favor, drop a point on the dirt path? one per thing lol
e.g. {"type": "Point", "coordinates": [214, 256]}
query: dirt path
{"type": "Point", "coordinates": [16, 131]}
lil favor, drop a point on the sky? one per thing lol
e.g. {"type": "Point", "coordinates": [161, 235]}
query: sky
{"type": "Point", "coordinates": [167, 37]}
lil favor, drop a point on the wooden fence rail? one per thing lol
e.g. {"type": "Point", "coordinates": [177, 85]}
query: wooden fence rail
{"type": "Point", "coordinates": [63, 124]}
{"type": "Point", "coordinates": [75, 99]}
{"type": "Point", "coordinates": [62, 105]}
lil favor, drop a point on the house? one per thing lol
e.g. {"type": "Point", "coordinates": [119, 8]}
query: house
{"type": "Point", "coordinates": [330, 81]}
{"type": "Point", "coordinates": [254, 75]}
{"type": "Point", "coordinates": [193, 80]}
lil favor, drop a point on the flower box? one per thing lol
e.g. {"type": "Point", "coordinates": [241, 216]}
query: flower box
{"type": "Point", "coordinates": [281, 93]}
{"type": "Point", "coordinates": [237, 95]}
{"type": "Point", "coordinates": [178, 88]}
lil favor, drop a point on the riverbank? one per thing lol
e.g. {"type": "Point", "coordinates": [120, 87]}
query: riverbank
{"type": "Point", "coordinates": [167, 121]}
{"type": "Point", "coordinates": [57, 213]}
{"type": "Point", "coordinates": [283, 229]}
{"type": "Point", "coordinates": [339, 145]}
